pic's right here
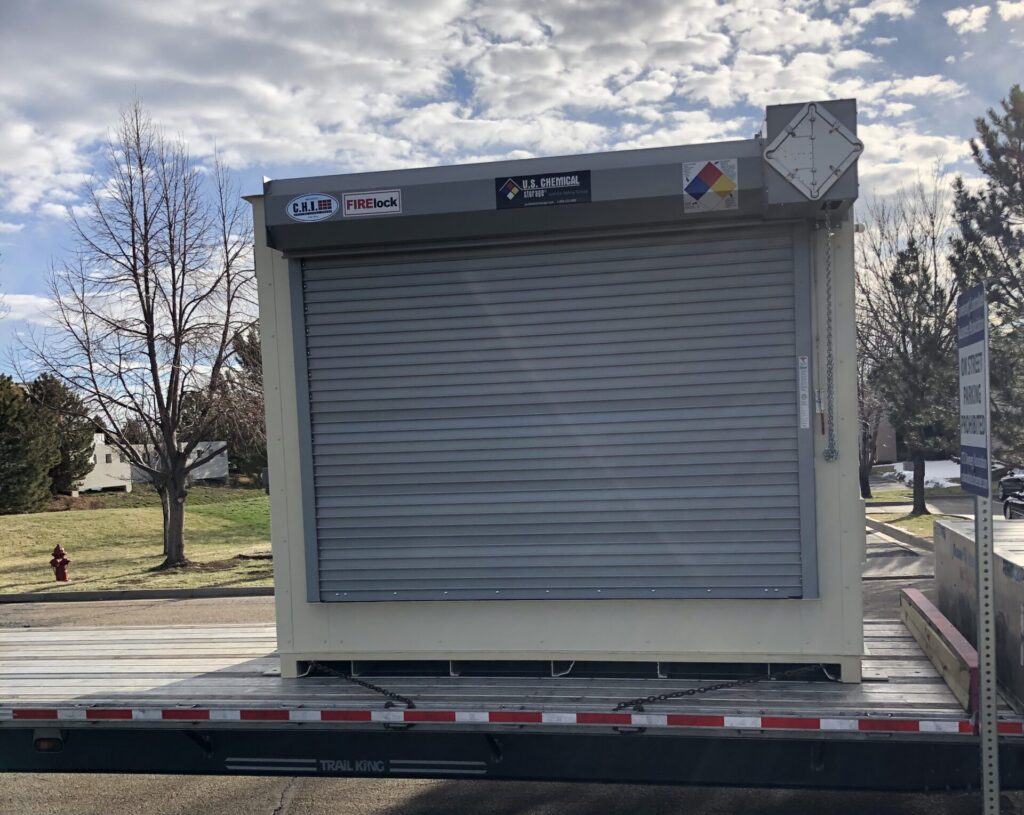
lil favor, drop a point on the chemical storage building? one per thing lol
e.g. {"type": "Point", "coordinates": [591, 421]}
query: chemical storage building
{"type": "Point", "coordinates": [595, 407]}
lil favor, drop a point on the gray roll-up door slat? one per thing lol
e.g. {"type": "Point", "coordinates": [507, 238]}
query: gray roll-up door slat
{"type": "Point", "coordinates": [473, 483]}
{"type": "Point", "coordinates": [327, 367]}
{"type": "Point", "coordinates": [771, 543]}
{"type": "Point", "coordinates": [461, 447]}
{"type": "Point", "coordinates": [385, 376]}
{"type": "Point", "coordinates": [712, 524]}
{"type": "Point", "coordinates": [569, 350]}
{"type": "Point", "coordinates": [655, 465]}
{"type": "Point", "coordinates": [602, 251]}
{"type": "Point", "coordinates": [566, 380]}
{"type": "Point", "coordinates": [388, 398]}
{"type": "Point", "coordinates": [614, 418]}
{"type": "Point", "coordinates": [647, 432]}
{"type": "Point", "coordinates": [626, 305]}
{"type": "Point", "coordinates": [773, 460]}
{"type": "Point", "coordinates": [531, 512]}
{"type": "Point", "coordinates": [739, 277]}
{"type": "Point", "coordinates": [569, 256]}
{"type": "Point", "coordinates": [527, 323]}
{"type": "Point", "coordinates": [496, 408]}
{"type": "Point", "coordinates": [644, 420]}
{"type": "Point", "coordinates": [606, 334]}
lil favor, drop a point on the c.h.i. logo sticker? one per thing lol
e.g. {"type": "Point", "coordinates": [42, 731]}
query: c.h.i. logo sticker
{"type": "Point", "coordinates": [314, 207]}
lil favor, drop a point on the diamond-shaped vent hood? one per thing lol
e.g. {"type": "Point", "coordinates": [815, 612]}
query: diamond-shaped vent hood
{"type": "Point", "coordinates": [813, 151]}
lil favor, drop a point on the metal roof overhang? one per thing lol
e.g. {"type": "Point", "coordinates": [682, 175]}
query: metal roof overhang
{"type": "Point", "coordinates": [630, 188]}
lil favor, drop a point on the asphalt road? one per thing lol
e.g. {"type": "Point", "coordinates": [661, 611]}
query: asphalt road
{"type": "Point", "coordinates": [139, 612]}
{"type": "Point", "coordinates": [881, 598]}
{"type": "Point", "coordinates": [29, 794]}
{"type": "Point", "coordinates": [204, 795]}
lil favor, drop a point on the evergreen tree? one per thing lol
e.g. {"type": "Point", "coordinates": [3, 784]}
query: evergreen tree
{"type": "Point", "coordinates": [74, 429]}
{"type": "Point", "coordinates": [240, 419]}
{"type": "Point", "coordinates": [28, 449]}
{"type": "Point", "coordinates": [990, 248]}
{"type": "Point", "coordinates": [247, 436]}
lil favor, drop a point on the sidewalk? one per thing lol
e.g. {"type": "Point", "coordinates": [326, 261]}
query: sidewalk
{"type": "Point", "coordinates": [887, 559]}
{"type": "Point", "coordinates": [950, 505]}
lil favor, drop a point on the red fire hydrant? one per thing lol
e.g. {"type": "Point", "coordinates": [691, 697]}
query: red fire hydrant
{"type": "Point", "coordinates": [59, 563]}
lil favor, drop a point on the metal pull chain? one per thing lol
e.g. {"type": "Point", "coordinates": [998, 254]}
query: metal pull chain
{"type": "Point", "coordinates": [831, 451]}
{"type": "Point", "coordinates": [638, 703]}
{"type": "Point", "coordinates": [327, 669]}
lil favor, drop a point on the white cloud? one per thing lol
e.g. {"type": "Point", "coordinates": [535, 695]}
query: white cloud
{"type": "Point", "coordinates": [897, 153]}
{"type": "Point", "coordinates": [967, 19]}
{"type": "Point", "coordinates": [379, 84]}
{"type": "Point", "coordinates": [895, 9]}
{"type": "Point", "coordinates": [933, 85]}
{"type": "Point", "coordinates": [895, 109]}
{"type": "Point", "coordinates": [52, 210]}
{"type": "Point", "coordinates": [653, 89]}
{"type": "Point", "coordinates": [30, 308]}
{"type": "Point", "coordinates": [7, 228]}
{"type": "Point", "coordinates": [1010, 10]}
{"type": "Point", "coordinates": [36, 164]}
{"type": "Point", "coordinates": [687, 128]}
{"type": "Point", "coordinates": [852, 58]}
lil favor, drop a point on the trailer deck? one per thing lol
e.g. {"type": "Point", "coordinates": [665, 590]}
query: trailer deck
{"type": "Point", "coordinates": [209, 699]}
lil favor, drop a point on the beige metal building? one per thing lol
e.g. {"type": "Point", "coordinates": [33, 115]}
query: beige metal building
{"type": "Point", "coordinates": [585, 408]}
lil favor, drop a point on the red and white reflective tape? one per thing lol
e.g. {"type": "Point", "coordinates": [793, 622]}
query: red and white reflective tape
{"type": "Point", "coordinates": [874, 724]}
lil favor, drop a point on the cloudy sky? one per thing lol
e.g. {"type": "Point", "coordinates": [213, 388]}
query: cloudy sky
{"type": "Point", "coordinates": [289, 88]}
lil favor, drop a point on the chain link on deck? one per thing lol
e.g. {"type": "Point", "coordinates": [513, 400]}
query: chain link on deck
{"type": "Point", "coordinates": [405, 700]}
{"type": "Point", "coordinates": [831, 450]}
{"type": "Point", "coordinates": [638, 703]}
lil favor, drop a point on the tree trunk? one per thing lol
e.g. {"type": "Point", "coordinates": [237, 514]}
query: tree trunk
{"type": "Point", "coordinates": [865, 481]}
{"type": "Point", "coordinates": [166, 511]}
{"type": "Point", "coordinates": [174, 527]}
{"type": "Point", "coordinates": [919, 505]}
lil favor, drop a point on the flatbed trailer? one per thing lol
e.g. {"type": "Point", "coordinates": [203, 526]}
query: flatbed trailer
{"type": "Point", "coordinates": [210, 700]}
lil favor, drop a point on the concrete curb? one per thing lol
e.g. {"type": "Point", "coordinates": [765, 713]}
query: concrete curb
{"type": "Point", "coordinates": [137, 594]}
{"type": "Point", "coordinates": [900, 535]}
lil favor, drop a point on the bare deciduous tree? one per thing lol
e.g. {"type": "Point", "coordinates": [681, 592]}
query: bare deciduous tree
{"type": "Point", "coordinates": [906, 299]}
{"type": "Point", "coordinates": [146, 309]}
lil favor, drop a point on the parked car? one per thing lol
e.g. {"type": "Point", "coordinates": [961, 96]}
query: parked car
{"type": "Point", "coordinates": [1010, 484]}
{"type": "Point", "coordinates": [1013, 506]}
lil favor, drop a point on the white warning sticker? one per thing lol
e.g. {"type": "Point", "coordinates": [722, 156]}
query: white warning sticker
{"type": "Point", "coordinates": [804, 380]}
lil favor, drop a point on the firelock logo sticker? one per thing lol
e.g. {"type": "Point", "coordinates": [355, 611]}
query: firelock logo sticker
{"type": "Point", "coordinates": [314, 207]}
{"type": "Point", "coordinates": [378, 202]}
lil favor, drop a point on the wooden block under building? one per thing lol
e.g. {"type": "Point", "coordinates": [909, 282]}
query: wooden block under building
{"type": "Point", "coordinates": [951, 654]}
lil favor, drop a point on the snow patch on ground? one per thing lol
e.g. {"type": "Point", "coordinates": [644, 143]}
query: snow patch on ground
{"type": "Point", "coordinates": [936, 473]}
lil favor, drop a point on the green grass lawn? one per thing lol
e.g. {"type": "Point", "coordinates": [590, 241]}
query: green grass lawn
{"type": "Point", "coordinates": [920, 525]}
{"type": "Point", "coordinates": [143, 495]}
{"type": "Point", "coordinates": [116, 546]}
{"type": "Point", "coordinates": [899, 493]}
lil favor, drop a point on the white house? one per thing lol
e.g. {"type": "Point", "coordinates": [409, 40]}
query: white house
{"type": "Point", "coordinates": [216, 469]}
{"type": "Point", "coordinates": [110, 469]}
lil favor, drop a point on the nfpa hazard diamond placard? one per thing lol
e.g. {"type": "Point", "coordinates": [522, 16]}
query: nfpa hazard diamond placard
{"type": "Point", "coordinates": [710, 186]}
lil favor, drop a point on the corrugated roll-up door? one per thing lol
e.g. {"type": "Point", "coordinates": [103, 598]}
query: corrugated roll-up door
{"type": "Point", "coordinates": [615, 418]}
